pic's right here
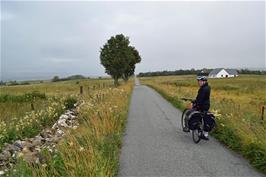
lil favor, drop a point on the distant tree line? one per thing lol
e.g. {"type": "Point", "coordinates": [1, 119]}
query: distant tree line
{"type": "Point", "coordinates": [246, 71]}
{"type": "Point", "coordinates": [193, 72]}
{"type": "Point", "coordinates": [2, 83]}
{"type": "Point", "coordinates": [176, 72]}
{"type": "Point", "coordinates": [74, 77]}
{"type": "Point", "coordinates": [12, 83]}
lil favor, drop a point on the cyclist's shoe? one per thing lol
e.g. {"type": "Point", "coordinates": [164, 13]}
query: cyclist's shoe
{"type": "Point", "coordinates": [186, 129]}
{"type": "Point", "coordinates": [204, 137]}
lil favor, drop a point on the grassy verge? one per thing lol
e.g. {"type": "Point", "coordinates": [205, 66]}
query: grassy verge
{"type": "Point", "coordinates": [92, 149]}
{"type": "Point", "coordinates": [173, 100]}
{"type": "Point", "coordinates": [239, 127]}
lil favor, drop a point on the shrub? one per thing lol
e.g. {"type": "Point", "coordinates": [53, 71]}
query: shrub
{"type": "Point", "coordinates": [28, 97]}
{"type": "Point", "coordinates": [256, 156]}
{"type": "Point", "coordinates": [69, 102]}
{"type": "Point", "coordinates": [227, 136]}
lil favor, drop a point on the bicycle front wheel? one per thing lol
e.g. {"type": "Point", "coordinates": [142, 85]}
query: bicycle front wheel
{"type": "Point", "coordinates": [184, 114]}
{"type": "Point", "coordinates": [196, 135]}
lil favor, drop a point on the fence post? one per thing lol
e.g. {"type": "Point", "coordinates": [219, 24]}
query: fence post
{"type": "Point", "coordinates": [81, 90]}
{"type": "Point", "coordinates": [32, 106]}
{"type": "Point", "coordinates": [262, 113]}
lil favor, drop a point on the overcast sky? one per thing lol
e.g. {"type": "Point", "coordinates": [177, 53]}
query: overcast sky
{"type": "Point", "coordinates": [43, 39]}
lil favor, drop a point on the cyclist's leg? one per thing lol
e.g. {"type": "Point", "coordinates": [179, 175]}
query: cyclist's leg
{"type": "Point", "coordinates": [187, 117]}
{"type": "Point", "coordinates": [205, 111]}
{"type": "Point", "coordinates": [185, 128]}
{"type": "Point", "coordinates": [205, 132]}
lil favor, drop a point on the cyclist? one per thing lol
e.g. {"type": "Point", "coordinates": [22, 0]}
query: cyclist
{"type": "Point", "coordinates": [202, 102]}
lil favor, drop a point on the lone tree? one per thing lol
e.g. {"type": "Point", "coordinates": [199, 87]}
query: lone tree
{"type": "Point", "coordinates": [55, 79]}
{"type": "Point", "coordinates": [130, 68]}
{"type": "Point", "coordinates": [119, 58]}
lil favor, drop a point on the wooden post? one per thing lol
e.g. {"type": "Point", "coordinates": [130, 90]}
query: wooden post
{"type": "Point", "coordinates": [262, 113]}
{"type": "Point", "coordinates": [32, 106]}
{"type": "Point", "coordinates": [81, 90]}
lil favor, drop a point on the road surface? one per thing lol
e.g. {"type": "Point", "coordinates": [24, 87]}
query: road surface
{"type": "Point", "coordinates": [155, 145]}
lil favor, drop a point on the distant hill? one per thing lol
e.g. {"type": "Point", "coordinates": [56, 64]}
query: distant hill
{"type": "Point", "coordinates": [55, 79]}
{"type": "Point", "coordinates": [73, 77]}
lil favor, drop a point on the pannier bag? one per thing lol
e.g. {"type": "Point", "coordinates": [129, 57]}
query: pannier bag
{"type": "Point", "coordinates": [209, 122]}
{"type": "Point", "coordinates": [193, 120]}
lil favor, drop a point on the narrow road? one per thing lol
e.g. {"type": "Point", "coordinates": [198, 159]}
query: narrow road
{"type": "Point", "coordinates": [155, 145]}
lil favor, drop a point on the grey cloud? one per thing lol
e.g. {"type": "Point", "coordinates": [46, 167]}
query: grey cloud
{"type": "Point", "coordinates": [65, 37]}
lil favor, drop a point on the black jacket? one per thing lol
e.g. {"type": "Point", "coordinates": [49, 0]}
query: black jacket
{"type": "Point", "coordinates": [202, 101]}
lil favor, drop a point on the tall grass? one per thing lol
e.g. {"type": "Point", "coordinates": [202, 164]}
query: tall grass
{"type": "Point", "coordinates": [237, 103]}
{"type": "Point", "coordinates": [93, 148]}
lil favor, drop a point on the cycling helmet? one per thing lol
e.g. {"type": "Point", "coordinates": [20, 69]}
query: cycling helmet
{"type": "Point", "coordinates": [202, 78]}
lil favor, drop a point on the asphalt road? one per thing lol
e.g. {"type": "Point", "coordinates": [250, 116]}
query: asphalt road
{"type": "Point", "coordinates": [155, 145]}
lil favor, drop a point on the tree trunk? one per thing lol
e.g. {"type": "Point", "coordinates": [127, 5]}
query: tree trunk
{"type": "Point", "coordinates": [125, 78]}
{"type": "Point", "coordinates": [116, 82]}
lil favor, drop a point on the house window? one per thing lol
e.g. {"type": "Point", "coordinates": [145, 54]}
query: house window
{"type": "Point", "coordinates": [226, 75]}
{"type": "Point", "coordinates": [222, 75]}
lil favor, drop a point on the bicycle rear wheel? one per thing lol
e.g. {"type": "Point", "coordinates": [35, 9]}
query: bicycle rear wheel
{"type": "Point", "coordinates": [196, 135]}
{"type": "Point", "coordinates": [183, 123]}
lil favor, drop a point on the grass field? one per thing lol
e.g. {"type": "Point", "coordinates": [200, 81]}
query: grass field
{"type": "Point", "coordinates": [237, 103]}
{"type": "Point", "coordinates": [90, 150]}
{"type": "Point", "coordinates": [49, 100]}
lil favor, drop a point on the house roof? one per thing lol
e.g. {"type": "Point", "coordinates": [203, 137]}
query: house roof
{"type": "Point", "coordinates": [229, 71]}
{"type": "Point", "coordinates": [232, 71]}
{"type": "Point", "coordinates": [215, 71]}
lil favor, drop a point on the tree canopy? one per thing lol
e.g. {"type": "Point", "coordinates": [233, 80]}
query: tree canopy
{"type": "Point", "coordinates": [119, 58]}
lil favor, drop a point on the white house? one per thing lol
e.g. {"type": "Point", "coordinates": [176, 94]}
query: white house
{"type": "Point", "coordinates": [221, 73]}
